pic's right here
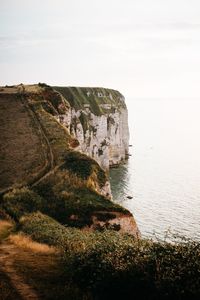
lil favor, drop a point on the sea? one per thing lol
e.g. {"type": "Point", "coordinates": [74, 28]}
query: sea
{"type": "Point", "coordinates": [160, 183]}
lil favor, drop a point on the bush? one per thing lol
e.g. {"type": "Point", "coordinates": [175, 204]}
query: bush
{"type": "Point", "coordinates": [148, 270]}
{"type": "Point", "coordinates": [44, 229]}
{"type": "Point", "coordinates": [114, 266]}
{"type": "Point", "coordinates": [66, 194]}
{"type": "Point", "coordinates": [21, 201]}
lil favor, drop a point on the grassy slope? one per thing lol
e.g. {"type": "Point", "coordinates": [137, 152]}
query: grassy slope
{"type": "Point", "coordinates": [23, 150]}
{"type": "Point", "coordinates": [74, 180]}
{"type": "Point", "coordinates": [77, 97]}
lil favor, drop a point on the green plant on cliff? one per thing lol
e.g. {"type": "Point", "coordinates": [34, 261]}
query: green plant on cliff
{"type": "Point", "coordinates": [80, 96]}
{"type": "Point", "coordinates": [83, 166]}
{"type": "Point", "coordinates": [84, 122]}
{"type": "Point", "coordinates": [66, 195]}
{"type": "Point", "coordinates": [19, 202]}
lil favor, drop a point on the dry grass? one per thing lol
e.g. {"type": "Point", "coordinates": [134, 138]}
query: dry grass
{"type": "Point", "coordinates": [5, 224]}
{"type": "Point", "coordinates": [58, 135]}
{"type": "Point", "coordinates": [23, 151]}
{"type": "Point", "coordinates": [25, 242]}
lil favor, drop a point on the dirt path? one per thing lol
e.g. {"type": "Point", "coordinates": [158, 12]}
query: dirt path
{"type": "Point", "coordinates": [7, 253]}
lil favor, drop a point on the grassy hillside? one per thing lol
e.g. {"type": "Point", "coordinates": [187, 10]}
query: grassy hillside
{"type": "Point", "coordinates": [23, 151]}
{"type": "Point", "coordinates": [38, 152]}
{"type": "Point", "coordinates": [96, 98]}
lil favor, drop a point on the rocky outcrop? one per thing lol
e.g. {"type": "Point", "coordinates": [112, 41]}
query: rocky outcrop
{"type": "Point", "coordinates": [123, 223]}
{"type": "Point", "coordinates": [98, 118]}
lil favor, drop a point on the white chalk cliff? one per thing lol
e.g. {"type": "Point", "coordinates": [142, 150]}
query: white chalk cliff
{"type": "Point", "coordinates": [98, 118]}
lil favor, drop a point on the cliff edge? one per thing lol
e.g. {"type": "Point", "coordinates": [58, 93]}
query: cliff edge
{"type": "Point", "coordinates": [99, 119]}
{"type": "Point", "coordinates": [42, 168]}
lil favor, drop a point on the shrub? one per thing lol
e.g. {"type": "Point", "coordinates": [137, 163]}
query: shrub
{"type": "Point", "coordinates": [66, 194]}
{"type": "Point", "coordinates": [148, 270]}
{"type": "Point", "coordinates": [21, 201]}
{"type": "Point", "coordinates": [44, 229]}
{"type": "Point", "coordinates": [85, 168]}
{"type": "Point", "coordinates": [115, 266]}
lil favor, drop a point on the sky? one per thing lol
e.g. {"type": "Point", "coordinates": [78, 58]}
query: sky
{"type": "Point", "coordinates": [143, 48]}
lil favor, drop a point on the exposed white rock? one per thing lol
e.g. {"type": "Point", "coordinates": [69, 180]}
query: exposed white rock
{"type": "Point", "coordinates": [104, 138]}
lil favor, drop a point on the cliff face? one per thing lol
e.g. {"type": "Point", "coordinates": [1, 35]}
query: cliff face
{"type": "Point", "coordinates": [42, 131]}
{"type": "Point", "coordinates": [98, 118]}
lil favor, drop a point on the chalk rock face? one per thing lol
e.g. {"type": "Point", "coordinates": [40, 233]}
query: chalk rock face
{"type": "Point", "coordinates": [99, 120]}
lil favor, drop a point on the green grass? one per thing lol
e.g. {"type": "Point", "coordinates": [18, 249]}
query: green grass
{"type": "Point", "coordinates": [77, 97]}
{"type": "Point", "coordinates": [62, 200]}
{"type": "Point", "coordinates": [45, 229]}
{"type": "Point", "coordinates": [19, 202]}
{"type": "Point", "coordinates": [84, 167]}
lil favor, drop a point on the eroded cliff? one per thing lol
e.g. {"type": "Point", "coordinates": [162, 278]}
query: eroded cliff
{"type": "Point", "coordinates": [42, 133]}
{"type": "Point", "coordinates": [99, 119]}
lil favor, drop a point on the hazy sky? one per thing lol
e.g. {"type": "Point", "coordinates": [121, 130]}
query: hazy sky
{"type": "Point", "coordinates": [144, 48]}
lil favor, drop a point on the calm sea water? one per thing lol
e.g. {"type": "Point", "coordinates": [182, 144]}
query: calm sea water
{"type": "Point", "coordinates": [163, 173]}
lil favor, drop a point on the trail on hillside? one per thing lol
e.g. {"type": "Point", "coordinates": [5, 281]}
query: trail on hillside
{"type": "Point", "coordinates": [38, 160]}
{"type": "Point", "coordinates": [7, 253]}
{"type": "Point", "coordinates": [42, 129]}
{"type": "Point", "coordinates": [52, 168]}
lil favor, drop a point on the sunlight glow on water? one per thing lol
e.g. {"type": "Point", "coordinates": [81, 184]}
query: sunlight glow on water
{"type": "Point", "coordinates": [163, 173]}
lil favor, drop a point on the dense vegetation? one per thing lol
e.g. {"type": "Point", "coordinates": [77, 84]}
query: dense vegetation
{"type": "Point", "coordinates": [110, 265]}
{"type": "Point", "coordinates": [61, 200]}
{"type": "Point", "coordinates": [107, 264]}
